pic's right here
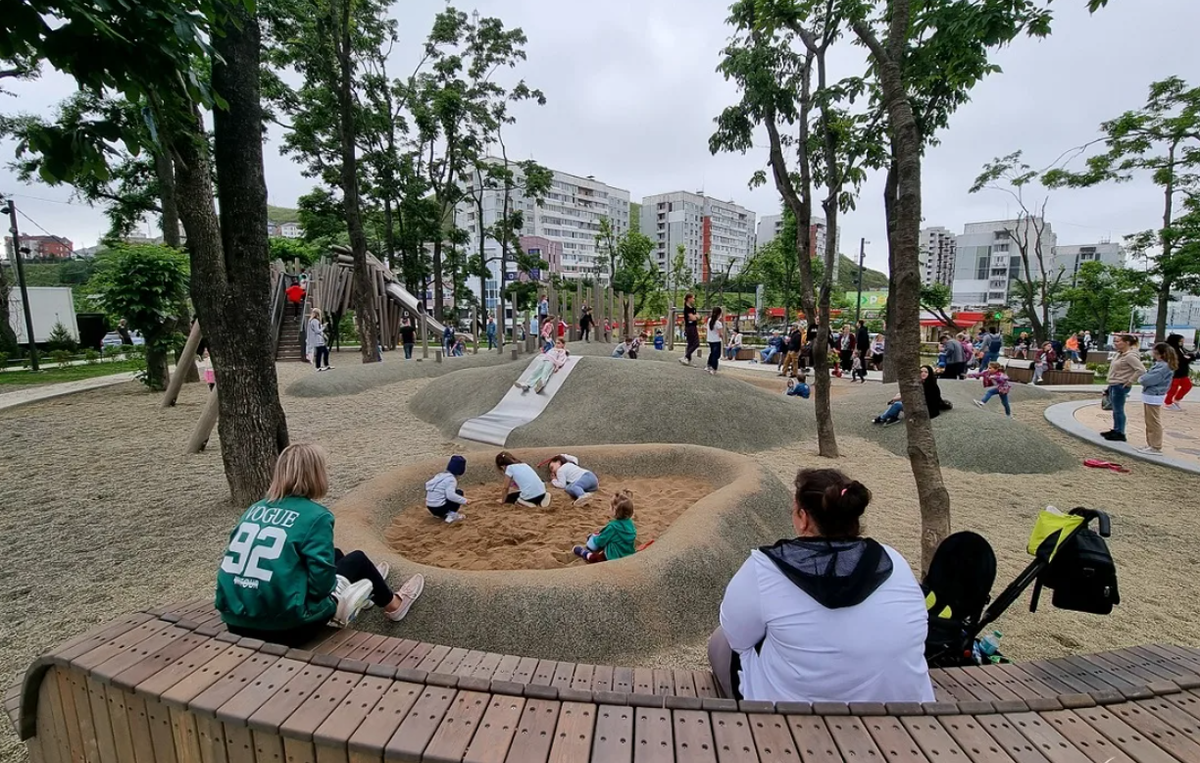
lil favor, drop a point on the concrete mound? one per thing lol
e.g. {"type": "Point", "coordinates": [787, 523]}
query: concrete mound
{"type": "Point", "coordinates": [968, 438]}
{"type": "Point", "coordinates": [352, 376]}
{"type": "Point", "coordinates": [621, 401]}
{"type": "Point", "coordinates": [656, 598]}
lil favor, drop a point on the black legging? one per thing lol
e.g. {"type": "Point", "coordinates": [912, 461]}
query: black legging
{"type": "Point", "coordinates": [354, 566]}
{"type": "Point", "coordinates": [847, 358]}
{"type": "Point", "coordinates": [321, 353]}
{"type": "Point", "coordinates": [693, 340]}
{"type": "Point", "coordinates": [714, 354]}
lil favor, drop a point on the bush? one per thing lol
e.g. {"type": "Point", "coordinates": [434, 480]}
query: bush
{"type": "Point", "coordinates": [3, 361]}
{"type": "Point", "coordinates": [61, 357]}
{"type": "Point", "coordinates": [60, 339]}
{"type": "Point", "coordinates": [91, 357]}
{"type": "Point", "coordinates": [132, 351]}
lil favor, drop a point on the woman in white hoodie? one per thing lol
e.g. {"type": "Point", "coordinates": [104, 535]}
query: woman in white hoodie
{"type": "Point", "coordinates": [828, 616]}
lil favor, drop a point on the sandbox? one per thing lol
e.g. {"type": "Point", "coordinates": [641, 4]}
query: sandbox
{"type": "Point", "coordinates": [669, 592]}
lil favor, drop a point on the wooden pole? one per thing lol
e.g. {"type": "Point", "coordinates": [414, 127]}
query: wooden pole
{"type": "Point", "coordinates": [475, 327]}
{"type": "Point", "coordinates": [670, 328]}
{"type": "Point", "coordinates": [579, 302]}
{"type": "Point", "coordinates": [204, 427]}
{"type": "Point", "coordinates": [188, 356]}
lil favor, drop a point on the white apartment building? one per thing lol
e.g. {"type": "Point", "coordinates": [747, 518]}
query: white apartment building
{"type": "Point", "coordinates": [716, 235]}
{"type": "Point", "coordinates": [769, 228]}
{"type": "Point", "coordinates": [1069, 258]}
{"type": "Point", "coordinates": [987, 259]}
{"type": "Point", "coordinates": [938, 247]}
{"type": "Point", "coordinates": [569, 216]}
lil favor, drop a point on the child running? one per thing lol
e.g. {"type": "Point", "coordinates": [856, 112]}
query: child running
{"type": "Point", "coordinates": [858, 370]}
{"type": "Point", "coordinates": [281, 579]}
{"type": "Point", "coordinates": [547, 365]}
{"type": "Point", "coordinates": [995, 382]}
{"type": "Point", "coordinates": [566, 473]}
{"type": "Point", "coordinates": [442, 494]}
{"type": "Point", "coordinates": [530, 490]}
{"type": "Point", "coordinates": [617, 539]}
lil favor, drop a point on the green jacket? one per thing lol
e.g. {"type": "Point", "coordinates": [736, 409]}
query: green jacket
{"type": "Point", "coordinates": [617, 539]}
{"type": "Point", "coordinates": [278, 570]}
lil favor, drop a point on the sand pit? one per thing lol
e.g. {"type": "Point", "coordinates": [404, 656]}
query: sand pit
{"type": "Point", "coordinates": [505, 537]}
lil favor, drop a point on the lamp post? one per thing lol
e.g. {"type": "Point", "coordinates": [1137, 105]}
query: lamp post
{"type": "Point", "coordinates": [862, 253]}
{"type": "Point", "coordinates": [11, 209]}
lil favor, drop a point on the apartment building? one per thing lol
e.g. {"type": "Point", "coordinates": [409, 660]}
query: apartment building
{"type": "Point", "coordinates": [1068, 258]}
{"type": "Point", "coordinates": [717, 236]}
{"type": "Point", "coordinates": [770, 226]}
{"type": "Point", "coordinates": [565, 224]}
{"type": "Point", "coordinates": [938, 247]}
{"type": "Point", "coordinates": [987, 258]}
{"type": "Point", "coordinates": [41, 247]}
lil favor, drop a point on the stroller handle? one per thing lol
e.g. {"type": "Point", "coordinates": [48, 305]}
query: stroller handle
{"type": "Point", "coordinates": [1104, 525]}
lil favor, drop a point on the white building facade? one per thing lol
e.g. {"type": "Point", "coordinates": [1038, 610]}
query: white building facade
{"type": "Point", "coordinates": [717, 236]}
{"type": "Point", "coordinates": [987, 259]}
{"type": "Point", "coordinates": [1068, 258]}
{"type": "Point", "coordinates": [938, 247]}
{"type": "Point", "coordinates": [569, 217]}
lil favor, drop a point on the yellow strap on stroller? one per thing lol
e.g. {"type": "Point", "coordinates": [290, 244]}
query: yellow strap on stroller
{"type": "Point", "coordinates": [1050, 520]}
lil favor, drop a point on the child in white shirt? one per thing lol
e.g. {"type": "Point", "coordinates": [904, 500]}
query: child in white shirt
{"type": "Point", "coordinates": [567, 474]}
{"type": "Point", "coordinates": [530, 490]}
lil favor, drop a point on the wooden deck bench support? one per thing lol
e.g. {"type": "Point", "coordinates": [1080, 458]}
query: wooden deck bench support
{"type": "Point", "coordinates": [172, 685]}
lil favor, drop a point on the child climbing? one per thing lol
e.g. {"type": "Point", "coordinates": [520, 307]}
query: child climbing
{"type": "Point", "coordinates": [443, 497]}
{"type": "Point", "coordinates": [529, 489]}
{"type": "Point", "coordinates": [617, 539]}
{"type": "Point", "coordinates": [995, 382]}
{"type": "Point", "coordinates": [548, 335]}
{"type": "Point", "coordinates": [566, 473]}
{"type": "Point", "coordinates": [538, 375]}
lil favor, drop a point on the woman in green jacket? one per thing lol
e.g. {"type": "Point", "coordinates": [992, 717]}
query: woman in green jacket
{"type": "Point", "coordinates": [281, 579]}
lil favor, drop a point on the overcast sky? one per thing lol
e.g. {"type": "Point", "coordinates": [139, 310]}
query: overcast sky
{"type": "Point", "coordinates": [632, 92]}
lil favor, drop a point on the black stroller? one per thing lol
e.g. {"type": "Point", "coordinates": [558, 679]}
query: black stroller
{"type": "Point", "coordinates": [1068, 557]}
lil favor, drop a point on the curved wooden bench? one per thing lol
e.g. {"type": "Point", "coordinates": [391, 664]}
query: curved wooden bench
{"type": "Point", "coordinates": [172, 685]}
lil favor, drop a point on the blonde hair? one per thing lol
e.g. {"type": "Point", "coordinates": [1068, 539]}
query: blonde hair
{"type": "Point", "coordinates": [300, 471]}
{"type": "Point", "coordinates": [316, 313]}
{"type": "Point", "coordinates": [622, 504]}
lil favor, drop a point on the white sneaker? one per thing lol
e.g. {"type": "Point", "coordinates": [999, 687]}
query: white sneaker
{"type": "Point", "coordinates": [351, 601]}
{"type": "Point", "coordinates": [454, 516]}
{"type": "Point", "coordinates": [1150, 451]}
{"type": "Point", "coordinates": [1174, 407]}
{"type": "Point", "coordinates": [684, 361]}
{"type": "Point", "coordinates": [583, 499]}
{"type": "Point", "coordinates": [408, 593]}
{"type": "Point", "coordinates": [978, 402]}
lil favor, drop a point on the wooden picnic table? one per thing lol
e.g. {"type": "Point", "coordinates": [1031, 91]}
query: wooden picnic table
{"type": "Point", "coordinates": [171, 684]}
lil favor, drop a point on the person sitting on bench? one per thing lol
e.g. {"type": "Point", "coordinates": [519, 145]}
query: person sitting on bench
{"type": "Point", "coordinates": [281, 579]}
{"type": "Point", "coordinates": [828, 616]}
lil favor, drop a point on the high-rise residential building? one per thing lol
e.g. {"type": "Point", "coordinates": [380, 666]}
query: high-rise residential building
{"type": "Point", "coordinates": [41, 247]}
{"type": "Point", "coordinates": [566, 222]}
{"type": "Point", "coordinates": [987, 258]}
{"type": "Point", "coordinates": [1068, 258]}
{"type": "Point", "coordinates": [717, 236]}
{"type": "Point", "coordinates": [937, 256]}
{"type": "Point", "coordinates": [770, 226]}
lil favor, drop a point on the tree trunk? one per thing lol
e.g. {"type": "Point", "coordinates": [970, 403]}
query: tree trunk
{"type": "Point", "coordinates": [889, 210]}
{"type": "Point", "coordinates": [1160, 319]}
{"type": "Point", "coordinates": [389, 235]}
{"type": "Point", "coordinates": [230, 263]}
{"type": "Point", "coordinates": [904, 303]}
{"type": "Point", "coordinates": [8, 337]}
{"type": "Point", "coordinates": [156, 365]}
{"type": "Point", "coordinates": [438, 303]}
{"type": "Point", "coordinates": [366, 318]}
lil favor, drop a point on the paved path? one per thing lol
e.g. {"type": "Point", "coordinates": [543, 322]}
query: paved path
{"type": "Point", "coordinates": [48, 391]}
{"type": "Point", "coordinates": [1085, 419]}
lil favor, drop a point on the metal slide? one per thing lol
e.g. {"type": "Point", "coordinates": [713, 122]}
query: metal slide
{"type": "Point", "coordinates": [515, 410]}
{"type": "Point", "coordinates": [406, 300]}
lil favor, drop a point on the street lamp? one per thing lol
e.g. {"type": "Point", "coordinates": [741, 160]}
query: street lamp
{"type": "Point", "coordinates": [10, 209]}
{"type": "Point", "coordinates": [862, 253]}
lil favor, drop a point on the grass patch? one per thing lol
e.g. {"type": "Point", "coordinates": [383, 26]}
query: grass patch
{"type": "Point", "coordinates": [50, 374]}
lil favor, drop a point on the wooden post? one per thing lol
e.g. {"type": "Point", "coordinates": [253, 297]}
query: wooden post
{"type": "Point", "coordinates": [204, 427]}
{"type": "Point", "coordinates": [188, 356]}
{"type": "Point", "coordinates": [670, 328]}
{"type": "Point", "coordinates": [579, 303]}
{"type": "Point", "coordinates": [475, 327]}
{"type": "Point", "coordinates": [611, 312]}
{"type": "Point", "coordinates": [424, 329]}
{"type": "Point", "coordinates": [597, 310]}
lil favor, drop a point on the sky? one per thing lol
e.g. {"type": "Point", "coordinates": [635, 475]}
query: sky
{"type": "Point", "coordinates": [632, 90]}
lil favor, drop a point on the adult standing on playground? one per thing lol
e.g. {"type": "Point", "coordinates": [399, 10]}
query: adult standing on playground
{"type": "Point", "coordinates": [491, 332]}
{"type": "Point", "coordinates": [862, 343]}
{"type": "Point", "coordinates": [691, 328]}
{"type": "Point", "coordinates": [1085, 346]}
{"type": "Point", "coordinates": [1125, 369]}
{"type": "Point", "coordinates": [995, 346]}
{"type": "Point", "coordinates": [408, 337]}
{"type": "Point", "coordinates": [716, 330]}
{"type": "Point", "coordinates": [315, 341]}
{"type": "Point", "coordinates": [956, 364]}
{"type": "Point", "coordinates": [877, 350]}
{"type": "Point", "coordinates": [846, 348]}
{"type": "Point", "coordinates": [586, 323]}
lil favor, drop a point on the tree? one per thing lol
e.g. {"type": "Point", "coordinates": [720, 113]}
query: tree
{"type": "Point", "coordinates": [1162, 140]}
{"type": "Point", "coordinates": [1038, 288]}
{"type": "Point", "coordinates": [936, 298]}
{"type": "Point", "coordinates": [60, 339]}
{"type": "Point", "coordinates": [637, 275]}
{"type": "Point", "coordinates": [679, 274]}
{"type": "Point", "coordinates": [289, 249]}
{"type": "Point", "coordinates": [145, 285]}
{"type": "Point", "coordinates": [1101, 298]}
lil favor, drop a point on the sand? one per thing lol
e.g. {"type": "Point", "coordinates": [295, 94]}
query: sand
{"type": "Point", "coordinates": [505, 537]}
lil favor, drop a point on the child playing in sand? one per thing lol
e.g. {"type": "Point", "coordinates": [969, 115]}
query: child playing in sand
{"type": "Point", "coordinates": [530, 490]}
{"type": "Point", "coordinates": [442, 494]}
{"type": "Point", "coordinates": [995, 382]}
{"type": "Point", "coordinates": [617, 539]}
{"type": "Point", "coordinates": [548, 364]}
{"type": "Point", "coordinates": [566, 473]}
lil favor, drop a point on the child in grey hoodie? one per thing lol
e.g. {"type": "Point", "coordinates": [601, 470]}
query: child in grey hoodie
{"type": "Point", "coordinates": [442, 494]}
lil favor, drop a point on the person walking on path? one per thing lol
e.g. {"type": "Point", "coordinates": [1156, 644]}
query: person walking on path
{"type": "Point", "coordinates": [585, 323]}
{"type": "Point", "coordinates": [715, 332]}
{"type": "Point", "coordinates": [1125, 369]}
{"type": "Point", "coordinates": [491, 332]}
{"type": "Point", "coordinates": [1085, 346]}
{"type": "Point", "coordinates": [691, 328]}
{"type": "Point", "coordinates": [846, 348]}
{"type": "Point", "coordinates": [408, 337]}
{"type": "Point", "coordinates": [447, 340]}
{"type": "Point", "coordinates": [1155, 384]}
{"type": "Point", "coordinates": [318, 351]}
{"type": "Point", "coordinates": [862, 343]}
{"type": "Point", "coordinates": [1181, 383]}
{"type": "Point", "coordinates": [795, 344]}
{"type": "Point", "coordinates": [956, 364]}
{"type": "Point", "coordinates": [877, 350]}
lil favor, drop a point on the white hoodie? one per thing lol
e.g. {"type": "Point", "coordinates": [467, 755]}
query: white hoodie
{"type": "Point", "coordinates": [568, 472]}
{"type": "Point", "coordinates": [439, 490]}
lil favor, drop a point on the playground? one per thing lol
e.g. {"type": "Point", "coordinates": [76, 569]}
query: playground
{"type": "Point", "coordinates": [124, 521]}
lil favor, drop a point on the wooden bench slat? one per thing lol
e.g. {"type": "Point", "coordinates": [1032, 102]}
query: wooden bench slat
{"type": "Point", "coordinates": [1106, 677]}
{"type": "Point", "coordinates": [506, 669]}
{"type": "Point", "coordinates": [313, 711]}
{"type": "Point", "coordinates": [1056, 678]}
{"type": "Point", "coordinates": [1040, 734]}
{"type": "Point", "coordinates": [999, 742]}
{"type": "Point", "coordinates": [733, 739]}
{"type": "Point", "coordinates": [101, 721]}
{"type": "Point", "coordinates": [543, 674]}
{"type": "Point", "coordinates": [487, 666]}
{"type": "Point", "coordinates": [416, 656]}
{"type": "Point", "coordinates": [205, 676]}
{"type": "Point", "coordinates": [664, 682]}
{"type": "Point", "coordinates": [239, 744]}
{"type": "Point", "coordinates": [815, 740]}
{"type": "Point", "coordinates": [212, 741]}
{"type": "Point", "coordinates": [654, 739]}
{"type": "Point", "coordinates": [1081, 735]}
{"type": "Point", "coordinates": [602, 678]}
{"type": "Point", "coordinates": [138, 653]}
{"type": "Point", "coordinates": [932, 738]}
{"type": "Point", "coordinates": [496, 730]}
{"type": "Point", "coordinates": [573, 734]}
{"type": "Point", "coordinates": [582, 679]}
{"type": "Point", "coordinates": [118, 645]}
{"type": "Point", "coordinates": [1169, 728]}
{"type": "Point", "coordinates": [334, 641]}
{"type": "Point", "coordinates": [269, 717]}
{"type": "Point", "coordinates": [187, 664]}
{"type": "Point", "coordinates": [100, 635]}
{"type": "Point", "coordinates": [391, 652]}
{"type": "Point", "coordinates": [419, 725]}
{"type": "Point", "coordinates": [434, 658]}
{"type": "Point", "coordinates": [1024, 685]}
{"type": "Point", "coordinates": [185, 735]}
{"type": "Point", "coordinates": [366, 648]}
{"type": "Point", "coordinates": [706, 684]}
{"type": "Point", "coordinates": [337, 728]}
{"type": "Point", "coordinates": [451, 661]}
{"type": "Point", "coordinates": [50, 703]}
{"type": "Point", "coordinates": [348, 645]}
{"type": "Point", "coordinates": [685, 683]}
{"type": "Point", "coordinates": [75, 688]}
{"type": "Point", "coordinates": [526, 667]}
{"type": "Point", "coordinates": [893, 740]}
{"type": "Point", "coordinates": [622, 680]}
{"type": "Point", "coordinates": [1175, 657]}
{"type": "Point", "coordinates": [1142, 670]}
{"type": "Point", "coordinates": [773, 738]}
{"type": "Point", "coordinates": [1187, 701]}
{"type": "Point", "coordinates": [972, 683]}
{"type": "Point", "coordinates": [1135, 744]}
{"type": "Point", "coordinates": [992, 681]}
{"type": "Point", "coordinates": [951, 689]}
{"type": "Point", "coordinates": [694, 737]}
{"type": "Point", "coordinates": [158, 717]}
{"type": "Point", "coordinates": [268, 747]}
{"type": "Point", "coordinates": [458, 727]}
{"type": "Point", "coordinates": [238, 708]}
{"type": "Point", "coordinates": [535, 732]}
{"type": "Point", "coordinates": [612, 741]}
{"type": "Point", "coordinates": [469, 663]}
{"type": "Point", "coordinates": [389, 712]}
{"type": "Point", "coordinates": [643, 681]}
{"type": "Point", "coordinates": [564, 672]}
{"type": "Point", "coordinates": [226, 687]}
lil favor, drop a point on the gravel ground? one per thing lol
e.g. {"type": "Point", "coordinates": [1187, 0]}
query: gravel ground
{"type": "Point", "coordinates": [103, 514]}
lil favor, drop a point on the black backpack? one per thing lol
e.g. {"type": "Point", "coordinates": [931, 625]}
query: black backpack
{"type": "Point", "coordinates": [1082, 574]}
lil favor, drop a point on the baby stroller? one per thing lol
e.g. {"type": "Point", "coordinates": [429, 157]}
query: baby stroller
{"type": "Point", "coordinates": [1068, 557]}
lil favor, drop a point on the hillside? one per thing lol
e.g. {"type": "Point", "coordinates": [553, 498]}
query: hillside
{"type": "Point", "coordinates": [873, 280]}
{"type": "Point", "coordinates": [282, 214]}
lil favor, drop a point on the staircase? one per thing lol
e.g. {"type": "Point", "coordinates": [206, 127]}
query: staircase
{"type": "Point", "coordinates": [291, 346]}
